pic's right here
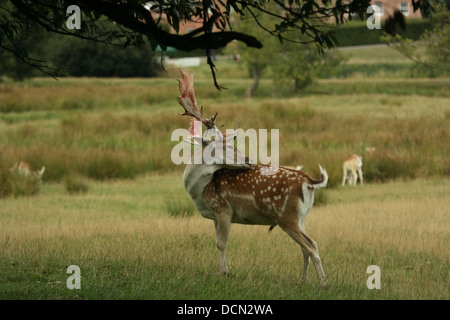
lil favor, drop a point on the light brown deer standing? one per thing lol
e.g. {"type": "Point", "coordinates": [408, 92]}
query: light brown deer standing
{"type": "Point", "coordinates": [232, 190]}
{"type": "Point", "coordinates": [353, 165]}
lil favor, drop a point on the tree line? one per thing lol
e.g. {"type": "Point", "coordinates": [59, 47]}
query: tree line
{"type": "Point", "coordinates": [129, 22]}
{"type": "Point", "coordinates": [70, 56]}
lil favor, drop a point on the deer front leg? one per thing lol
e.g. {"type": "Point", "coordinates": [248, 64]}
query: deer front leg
{"type": "Point", "coordinates": [355, 178]}
{"type": "Point", "coordinates": [223, 226]}
{"type": "Point", "coordinates": [360, 176]}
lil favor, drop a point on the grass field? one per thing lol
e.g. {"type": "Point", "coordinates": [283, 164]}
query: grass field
{"type": "Point", "coordinates": [127, 246]}
{"type": "Point", "coordinates": [113, 204]}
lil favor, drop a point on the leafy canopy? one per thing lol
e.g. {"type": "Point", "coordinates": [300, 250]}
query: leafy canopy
{"type": "Point", "coordinates": [137, 19]}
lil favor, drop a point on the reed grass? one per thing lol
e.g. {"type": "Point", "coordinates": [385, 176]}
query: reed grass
{"type": "Point", "coordinates": [410, 133]}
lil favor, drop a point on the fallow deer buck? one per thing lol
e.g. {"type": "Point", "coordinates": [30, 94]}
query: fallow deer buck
{"type": "Point", "coordinates": [231, 189]}
{"type": "Point", "coordinates": [353, 165]}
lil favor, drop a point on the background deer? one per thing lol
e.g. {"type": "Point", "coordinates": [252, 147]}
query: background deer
{"type": "Point", "coordinates": [230, 189]}
{"type": "Point", "coordinates": [370, 150]}
{"type": "Point", "coordinates": [23, 169]}
{"type": "Point", "coordinates": [352, 167]}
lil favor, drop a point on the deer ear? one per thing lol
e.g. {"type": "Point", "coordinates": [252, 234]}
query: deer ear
{"type": "Point", "coordinates": [41, 172]}
{"type": "Point", "coordinates": [201, 141]}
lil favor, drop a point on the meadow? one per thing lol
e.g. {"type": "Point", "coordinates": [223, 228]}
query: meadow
{"type": "Point", "coordinates": [128, 247]}
{"type": "Point", "coordinates": [112, 202]}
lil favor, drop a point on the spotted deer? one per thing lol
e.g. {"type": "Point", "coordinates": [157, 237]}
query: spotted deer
{"type": "Point", "coordinates": [231, 189]}
{"type": "Point", "coordinates": [24, 169]}
{"type": "Point", "coordinates": [353, 165]}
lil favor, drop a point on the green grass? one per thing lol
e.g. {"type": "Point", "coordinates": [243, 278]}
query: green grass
{"type": "Point", "coordinates": [179, 205]}
{"type": "Point", "coordinates": [373, 55]}
{"type": "Point", "coordinates": [128, 245]}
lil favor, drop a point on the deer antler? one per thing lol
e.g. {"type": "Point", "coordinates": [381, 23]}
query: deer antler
{"type": "Point", "coordinates": [195, 133]}
{"type": "Point", "coordinates": [188, 102]}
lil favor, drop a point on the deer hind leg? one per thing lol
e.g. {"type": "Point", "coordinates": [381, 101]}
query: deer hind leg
{"type": "Point", "coordinates": [309, 249]}
{"type": "Point", "coordinates": [305, 257]}
{"type": "Point", "coordinates": [350, 177]}
{"type": "Point", "coordinates": [355, 178]}
{"type": "Point", "coordinates": [305, 266]}
{"type": "Point", "coordinates": [223, 226]}
{"type": "Point", "coordinates": [360, 176]}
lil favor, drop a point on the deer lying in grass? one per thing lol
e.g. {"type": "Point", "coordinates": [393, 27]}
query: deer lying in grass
{"type": "Point", "coordinates": [23, 169]}
{"type": "Point", "coordinates": [231, 189]}
{"type": "Point", "coordinates": [352, 165]}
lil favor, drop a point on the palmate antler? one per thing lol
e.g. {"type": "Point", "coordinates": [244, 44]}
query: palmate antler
{"type": "Point", "coordinates": [188, 102]}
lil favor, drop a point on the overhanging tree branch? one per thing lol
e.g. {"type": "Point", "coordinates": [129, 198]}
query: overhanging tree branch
{"type": "Point", "coordinates": [137, 18]}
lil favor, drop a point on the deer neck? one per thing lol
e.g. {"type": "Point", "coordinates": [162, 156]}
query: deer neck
{"type": "Point", "coordinates": [197, 177]}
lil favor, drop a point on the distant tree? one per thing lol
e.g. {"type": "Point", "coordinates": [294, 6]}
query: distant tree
{"type": "Point", "coordinates": [287, 61]}
{"type": "Point", "coordinates": [256, 61]}
{"type": "Point", "coordinates": [300, 66]}
{"type": "Point", "coordinates": [92, 59]}
{"type": "Point", "coordinates": [432, 50]}
{"type": "Point", "coordinates": [13, 66]}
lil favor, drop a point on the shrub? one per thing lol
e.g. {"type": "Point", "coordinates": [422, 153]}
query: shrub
{"type": "Point", "coordinates": [12, 183]}
{"type": "Point", "coordinates": [357, 33]}
{"type": "Point", "coordinates": [104, 165]}
{"type": "Point", "coordinates": [5, 186]}
{"type": "Point", "coordinates": [75, 185]}
{"type": "Point", "coordinates": [84, 58]}
{"type": "Point", "coordinates": [386, 166]}
{"type": "Point", "coordinates": [21, 185]}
